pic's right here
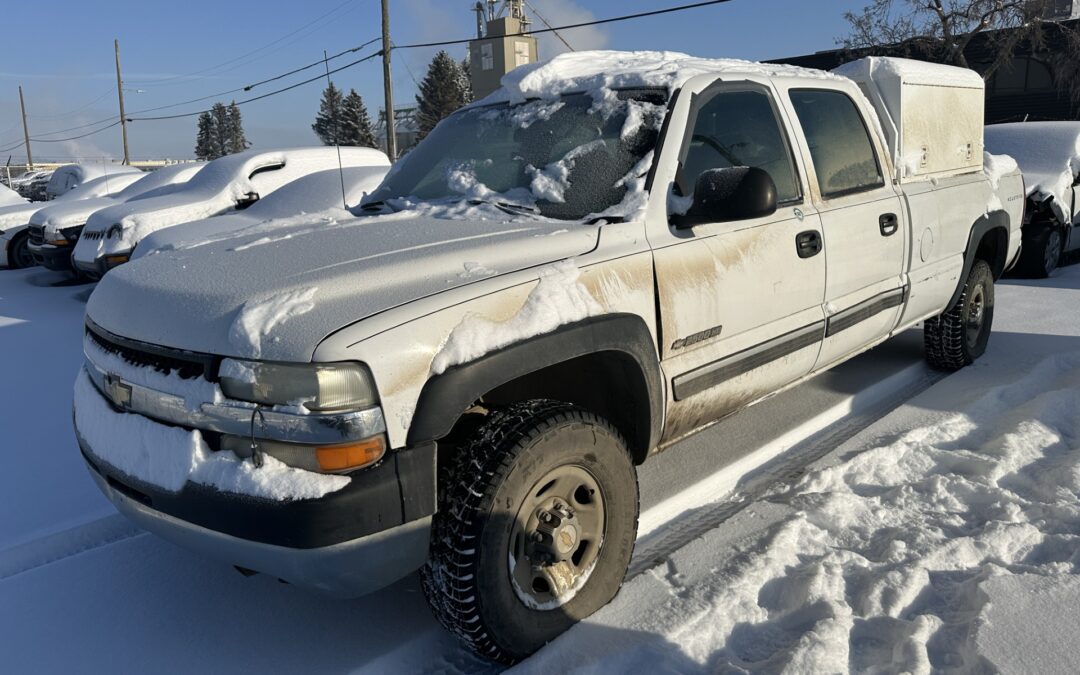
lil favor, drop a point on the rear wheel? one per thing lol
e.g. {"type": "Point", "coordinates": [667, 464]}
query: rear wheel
{"type": "Point", "coordinates": [958, 337]}
{"type": "Point", "coordinates": [19, 252]}
{"type": "Point", "coordinates": [535, 528]}
{"type": "Point", "coordinates": [1042, 253]}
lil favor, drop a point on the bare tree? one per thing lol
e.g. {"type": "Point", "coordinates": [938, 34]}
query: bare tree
{"type": "Point", "coordinates": [942, 31]}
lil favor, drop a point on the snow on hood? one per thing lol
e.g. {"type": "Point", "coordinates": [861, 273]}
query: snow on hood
{"type": "Point", "coordinates": [9, 197]}
{"type": "Point", "coordinates": [71, 214]}
{"type": "Point", "coordinates": [71, 176]}
{"type": "Point", "coordinates": [358, 268]}
{"type": "Point", "coordinates": [215, 189]}
{"type": "Point", "coordinates": [600, 71]}
{"type": "Point", "coordinates": [314, 199]}
{"type": "Point", "coordinates": [1049, 155]}
{"type": "Point", "coordinates": [19, 215]}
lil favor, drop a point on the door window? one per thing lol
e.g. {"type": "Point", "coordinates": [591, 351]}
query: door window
{"type": "Point", "coordinates": [840, 145]}
{"type": "Point", "coordinates": [739, 128]}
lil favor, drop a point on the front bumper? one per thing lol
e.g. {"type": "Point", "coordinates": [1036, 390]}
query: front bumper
{"type": "Point", "coordinates": [350, 568]}
{"type": "Point", "coordinates": [50, 256]}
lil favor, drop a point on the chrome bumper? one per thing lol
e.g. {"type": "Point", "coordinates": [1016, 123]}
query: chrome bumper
{"type": "Point", "coordinates": [237, 419]}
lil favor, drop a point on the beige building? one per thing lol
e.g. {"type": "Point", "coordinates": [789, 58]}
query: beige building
{"type": "Point", "coordinates": [501, 45]}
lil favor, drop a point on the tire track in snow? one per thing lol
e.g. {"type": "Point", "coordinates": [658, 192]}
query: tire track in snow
{"type": "Point", "coordinates": [65, 544]}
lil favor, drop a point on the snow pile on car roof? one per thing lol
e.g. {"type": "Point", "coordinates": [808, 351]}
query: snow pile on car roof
{"type": "Point", "coordinates": [597, 71]}
{"type": "Point", "coordinates": [1049, 155]}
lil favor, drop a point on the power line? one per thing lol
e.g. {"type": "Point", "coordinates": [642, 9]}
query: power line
{"type": "Point", "coordinates": [74, 138]}
{"type": "Point", "coordinates": [266, 95]}
{"type": "Point", "coordinates": [352, 50]}
{"type": "Point", "coordinates": [545, 22]}
{"type": "Point", "coordinates": [108, 92]}
{"type": "Point", "coordinates": [197, 73]}
{"type": "Point", "coordinates": [584, 24]}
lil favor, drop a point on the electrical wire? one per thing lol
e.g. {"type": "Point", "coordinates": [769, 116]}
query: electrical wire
{"type": "Point", "coordinates": [195, 75]}
{"type": "Point", "coordinates": [584, 24]}
{"type": "Point", "coordinates": [545, 22]}
{"type": "Point", "coordinates": [266, 95]}
{"type": "Point", "coordinates": [108, 92]}
{"type": "Point", "coordinates": [75, 138]}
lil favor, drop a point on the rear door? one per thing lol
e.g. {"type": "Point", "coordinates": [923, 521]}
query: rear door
{"type": "Point", "coordinates": [862, 220]}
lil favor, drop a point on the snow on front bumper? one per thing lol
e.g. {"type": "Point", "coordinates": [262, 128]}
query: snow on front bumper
{"type": "Point", "coordinates": [170, 457]}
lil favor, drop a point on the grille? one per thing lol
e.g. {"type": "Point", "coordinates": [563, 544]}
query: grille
{"type": "Point", "coordinates": [186, 365]}
{"type": "Point", "coordinates": [37, 235]}
{"type": "Point", "coordinates": [93, 236]}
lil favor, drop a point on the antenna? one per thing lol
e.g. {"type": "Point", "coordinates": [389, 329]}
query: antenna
{"type": "Point", "coordinates": [337, 144]}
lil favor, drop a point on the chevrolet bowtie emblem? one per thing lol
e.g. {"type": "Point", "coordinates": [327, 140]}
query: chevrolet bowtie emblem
{"type": "Point", "coordinates": [118, 392]}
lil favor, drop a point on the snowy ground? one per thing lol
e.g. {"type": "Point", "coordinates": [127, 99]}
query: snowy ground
{"type": "Point", "coordinates": [943, 534]}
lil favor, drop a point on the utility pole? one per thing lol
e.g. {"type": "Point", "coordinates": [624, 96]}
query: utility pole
{"type": "Point", "coordinates": [26, 132]}
{"type": "Point", "coordinates": [391, 132]}
{"type": "Point", "coordinates": [120, 91]}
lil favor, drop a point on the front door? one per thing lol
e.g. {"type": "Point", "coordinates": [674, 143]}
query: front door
{"type": "Point", "coordinates": [740, 302]}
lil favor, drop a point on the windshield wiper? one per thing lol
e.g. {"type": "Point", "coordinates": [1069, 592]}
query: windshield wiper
{"type": "Point", "coordinates": [508, 207]}
{"type": "Point", "coordinates": [377, 206]}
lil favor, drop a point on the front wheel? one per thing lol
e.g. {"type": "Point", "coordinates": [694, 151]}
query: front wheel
{"type": "Point", "coordinates": [958, 337]}
{"type": "Point", "coordinates": [19, 252]}
{"type": "Point", "coordinates": [535, 530]}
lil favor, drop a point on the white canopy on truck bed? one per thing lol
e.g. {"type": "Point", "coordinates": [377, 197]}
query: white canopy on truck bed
{"type": "Point", "coordinates": [932, 115]}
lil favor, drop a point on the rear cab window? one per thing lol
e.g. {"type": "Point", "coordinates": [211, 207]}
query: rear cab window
{"type": "Point", "coordinates": [841, 148]}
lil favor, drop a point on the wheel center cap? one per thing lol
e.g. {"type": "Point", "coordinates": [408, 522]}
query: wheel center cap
{"type": "Point", "coordinates": [566, 539]}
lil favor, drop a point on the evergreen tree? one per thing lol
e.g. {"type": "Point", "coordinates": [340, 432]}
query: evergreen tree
{"type": "Point", "coordinates": [238, 142]}
{"type": "Point", "coordinates": [219, 116]}
{"type": "Point", "coordinates": [442, 92]}
{"type": "Point", "coordinates": [328, 121]}
{"type": "Point", "coordinates": [356, 127]}
{"type": "Point", "coordinates": [466, 80]}
{"type": "Point", "coordinates": [205, 147]}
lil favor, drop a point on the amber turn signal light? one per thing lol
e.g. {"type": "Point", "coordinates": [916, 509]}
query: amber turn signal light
{"type": "Point", "coordinates": [353, 456]}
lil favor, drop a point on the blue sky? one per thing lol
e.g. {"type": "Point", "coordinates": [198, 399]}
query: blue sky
{"type": "Point", "coordinates": [175, 51]}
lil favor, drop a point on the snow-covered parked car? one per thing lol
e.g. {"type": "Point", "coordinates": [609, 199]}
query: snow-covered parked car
{"type": "Point", "coordinates": [15, 220]}
{"type": "Point", "coordinates": [54, 229]}
{"type": "Point", "coordinates": [71, 176]}
{"type": "Point", "coordinates": [9, 197]}
{"type": "Point", "coordinates": [328, 193]}
{"type": "Point", "coordinates": [230, 183]}
{"type": "Point", "coordinates": [1049, 155]}
{"type": "Point", "coordinates": [608, 254]}
{"type": "Point", "coordinates": [21, 184]}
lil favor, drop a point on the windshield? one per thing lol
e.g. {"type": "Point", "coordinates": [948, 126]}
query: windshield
{"type": "Point", "coordinates": [566, 159]}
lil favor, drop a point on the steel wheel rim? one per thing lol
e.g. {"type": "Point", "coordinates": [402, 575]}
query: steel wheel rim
{"type": "Point", "coordinates": [1051, 254]}
{"type": "Point", "coordinates": [557, 537]}
{"type": "Point", "coordinates": [976, 315]}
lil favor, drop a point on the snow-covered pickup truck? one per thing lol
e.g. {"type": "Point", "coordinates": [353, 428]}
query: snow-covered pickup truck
{"type": "Point", "coordinates": [1049, 156]}
{"type": "Point", "coordinates": [610, 253]}
{"type": "Point", "coordinates": [227, 184]}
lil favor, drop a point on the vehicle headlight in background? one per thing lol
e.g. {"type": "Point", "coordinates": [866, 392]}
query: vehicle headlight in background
{"type": "Point", "coordinates": [68, 235]}
{"type": "Point", "coordinates": [318, 387]}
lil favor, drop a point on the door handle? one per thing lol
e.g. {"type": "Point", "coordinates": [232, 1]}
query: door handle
{"type": "Point", "coordinates": [808, 244]}
{"type": "Point", "coordinates": [889, 224]}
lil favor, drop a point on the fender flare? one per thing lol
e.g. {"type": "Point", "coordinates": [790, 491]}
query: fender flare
{"type": "Point", "coordinates": [992, 221]}
{"type": "Point", "coordinates": [446, 396]}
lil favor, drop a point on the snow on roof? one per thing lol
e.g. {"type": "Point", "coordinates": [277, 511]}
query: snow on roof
{"type": "Point", "coordinates": [594, 71]}
{"type": "Point", "coordinates": [1048, 153]}
{"type": "Point", "coordinates": [9, 197]}
{"type": "Point", "coordinates": [910, 71]}
{"type": "Point", "coordinates": [73, 175]}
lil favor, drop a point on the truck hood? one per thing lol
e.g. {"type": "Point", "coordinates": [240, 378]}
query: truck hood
{"type": "Point", "coordinates": [69, 214]}
{"type": "Point", "coordinates": [276, 296]}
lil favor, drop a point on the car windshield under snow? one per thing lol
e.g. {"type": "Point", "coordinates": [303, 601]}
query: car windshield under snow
{"type": "Point", "coordinates": [570, 158]}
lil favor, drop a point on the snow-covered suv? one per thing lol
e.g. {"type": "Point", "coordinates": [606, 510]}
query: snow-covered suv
{"type": "Point", "coordinates": [610, 253]}
{"type": "Point", "coordinates": [229, 183]}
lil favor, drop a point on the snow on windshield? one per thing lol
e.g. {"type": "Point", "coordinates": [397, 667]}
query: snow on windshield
{"type": "Point", "coordinates": [567, 159]}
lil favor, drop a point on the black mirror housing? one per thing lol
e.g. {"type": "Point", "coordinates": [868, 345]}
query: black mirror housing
{"type": "Point", "coordinates": [732, 194]}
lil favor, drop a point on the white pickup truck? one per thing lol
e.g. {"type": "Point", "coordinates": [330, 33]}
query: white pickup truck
{"type": "Point", "coordinates": [610, 253]}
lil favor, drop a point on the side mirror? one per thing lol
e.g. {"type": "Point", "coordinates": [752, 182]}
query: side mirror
{"type": "Point", "coordinates": [725, 195]}
{"type": "Point", "coordinates": [247, 200]}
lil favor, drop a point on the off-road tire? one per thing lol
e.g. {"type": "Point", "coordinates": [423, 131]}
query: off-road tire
{"type": "Point", "coordinates": [1041, 253]}
{"type": "Point", "coordinates": [467, 580]}
{"type": "Point", "coordinates": [951, 340]}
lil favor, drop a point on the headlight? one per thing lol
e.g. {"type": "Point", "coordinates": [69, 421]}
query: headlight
{"type": "Point", "coordinates": [318, 387]}
{"type": "Point", "coordinates": [68, 235]}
